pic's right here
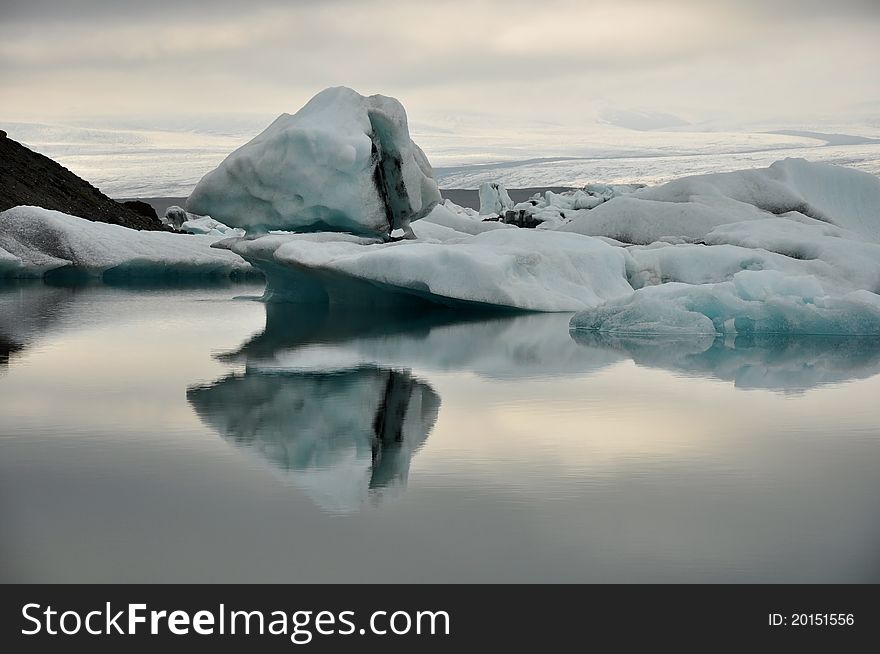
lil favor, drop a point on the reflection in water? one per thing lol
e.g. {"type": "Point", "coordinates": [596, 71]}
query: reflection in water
{"type": "Point", "coordinates": [345, 437]}
{"type": "Point", "coordinates": [328, 395]}
{"type": "Point", "coordinates": [577, 464]}
{"type": "Point", "coordinates": [505, 346]}
{"type": "Point", "coordinates": [32, 309]}
{"type": "Point", "coordinates": [769, 361]}
{"type": "Point", "coordinates": [28, 309]}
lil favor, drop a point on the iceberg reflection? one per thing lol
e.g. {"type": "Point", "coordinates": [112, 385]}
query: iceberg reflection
{"type": "Point", "coordinates": [346, 437]}
{"type": "Point", "coordinates": [761, 361]}
{"type": "Point", "coordinates": [28, 309]}
{"type": "Point", "coordinates": [490, 344]}
{"type": "Point", "coordinates": [336, 399]}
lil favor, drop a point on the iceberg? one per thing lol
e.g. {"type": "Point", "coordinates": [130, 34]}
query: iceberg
{"type": "Point", "coordinates": [677, 258]}
{"type": "Point", "coordinates": [344, 162]}
{"type": "Point", "coordinates": [190, 223]}
{"type": "Point", "coordinates": [687, 209]}
{"type": "Point", "coordinates": [494, 199]}
{"type": "Point", "coordinates": [753, 302]}
{"type": "Point", "coordinates": [457, 221]}
{"type": "Point", "coordinates": [37, 242]}
{"type": "Point", "coordinates": [175, 217]}
{"type": "Point", "coordinates": [501, 268]}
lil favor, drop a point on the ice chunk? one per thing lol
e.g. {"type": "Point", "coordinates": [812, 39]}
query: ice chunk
{"type": "Point", "coordinates": [687, 209]}
{"type": "Point", "coordinates": [608, 191]}
{"type": "Point", "coordinates": [809, 248]}
{"type": "Point", "coordinates": [462, 211]}
{"type": "Point", "coordinates": [753, 302]}
{"type": "Point", "coordinates": [209, 226]}
{"type": "Point", "coordinates": [461, 223]}
{"type": "Point", "coordinates": [190, 223]}
{"type": "Point", "coordinates": [494, 199]}
{"type": "Point", "coordinates": [511, 268]}
{"type": "Point", "coordinates": [49, 242]}
{"type": "Point", "coordinates": [846, 197]}
{"type": "Point", "coordinates": [344, 162]}
{"type": "Point", "coordinates": [175, 216]}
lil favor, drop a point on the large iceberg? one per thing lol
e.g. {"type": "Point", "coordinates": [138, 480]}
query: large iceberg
{"type": "Point", "coordinates": [807, 267]}
{"type": "Point", "coordinates": [344, 162]}
{"type": "Point", "coordinates": [687, 209]}
{"type": "Point", "coordinates": [503, 268]}
{"type": "Point", "coordinates": [37, 242]}
{"type": "Point", "coordinates": [793, 247]}
{"type": "Point", "coordinates": [816, 261]}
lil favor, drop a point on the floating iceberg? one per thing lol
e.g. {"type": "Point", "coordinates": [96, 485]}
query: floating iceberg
{"type": "Point", "coordinates": [687, 209]}
{"type": "Point", "coordinates": [344, 162]}
{"type": "Point", "coordinates": [816, 260]}
{"type": "Point", "coordinates": [812, 269]}
{"type": "Point", "coordinates": [190, 223]}
{"type": "Point", "coordinates": [37, 242]}
{"type": "Point", "coordinates": [502, 268]}
{"type": "Point", "coordinates": [766, 301]}
{"type": "Point", "coordinates": [494, 199]}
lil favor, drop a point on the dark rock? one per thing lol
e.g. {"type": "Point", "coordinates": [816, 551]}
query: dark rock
{"type": "Point", "coordinates": [520, 218]}
{"type": "Point", "coordinates": [143, 208]}
{"type": "Point", "coordinates": [29, 178]}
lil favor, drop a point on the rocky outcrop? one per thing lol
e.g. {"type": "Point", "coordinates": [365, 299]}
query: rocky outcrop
{"type": "Point", "coordinates": [30, 178]}
{"type": "Point", "coordinates": [143, 208]}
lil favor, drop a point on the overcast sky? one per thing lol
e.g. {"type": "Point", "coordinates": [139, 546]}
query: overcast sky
{"type": "Point", "coordinates": [559, 60]}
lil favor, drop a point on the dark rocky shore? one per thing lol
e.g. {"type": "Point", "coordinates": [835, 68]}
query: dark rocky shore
{"type": "Point", "coordinates": [29, 178]}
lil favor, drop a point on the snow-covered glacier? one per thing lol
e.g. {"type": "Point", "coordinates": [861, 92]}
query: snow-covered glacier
{"type": "Point", "coordinates": [344, 162]}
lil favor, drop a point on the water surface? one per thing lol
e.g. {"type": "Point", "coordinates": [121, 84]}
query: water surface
{"type": "Point", "coordinates": [196, 434]}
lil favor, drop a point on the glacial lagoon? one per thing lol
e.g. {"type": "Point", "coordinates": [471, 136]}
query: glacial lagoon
{"type": "Point", "coordinates": [199, 434]}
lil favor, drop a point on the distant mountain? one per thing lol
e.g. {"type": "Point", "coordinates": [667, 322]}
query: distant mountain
{"type": "Point", "coordinates": [29, 178]}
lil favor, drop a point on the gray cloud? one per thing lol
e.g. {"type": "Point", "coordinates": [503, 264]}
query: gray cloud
{"type": "Point", "coordinates": [556, 58]}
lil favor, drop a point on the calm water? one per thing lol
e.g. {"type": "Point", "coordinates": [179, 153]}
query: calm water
{"type": "Point", "coordinates": [199, 435]}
